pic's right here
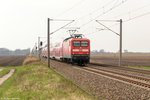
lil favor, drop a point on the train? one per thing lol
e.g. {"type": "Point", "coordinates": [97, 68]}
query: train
{"type": "Point", "coordinates": [74, 49]}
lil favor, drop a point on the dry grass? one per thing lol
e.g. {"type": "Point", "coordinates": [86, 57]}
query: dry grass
{"type": "Point", "coordinates": [35, 81]}
{"type": "Point", "coordinates": [30, 60]}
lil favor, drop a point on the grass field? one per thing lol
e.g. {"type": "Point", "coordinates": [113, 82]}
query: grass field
{"type": "Point", "coordinates": [3, 72]}
{"type": "Point", "coordinates": [140, 67]}
{"type": "Point", "coordinates": [38, 82]}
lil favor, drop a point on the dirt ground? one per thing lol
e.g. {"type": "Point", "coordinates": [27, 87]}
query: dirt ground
{"type": "Point", "coordinates": [11, 60]}
{"type": "Point", "coordinates": [108, 58]}
{"type": "Point", "coordinates": [129, 59]}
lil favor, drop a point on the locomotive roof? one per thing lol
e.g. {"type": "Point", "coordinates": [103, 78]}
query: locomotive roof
{"type": "Point", "coordinates": [73, 38]}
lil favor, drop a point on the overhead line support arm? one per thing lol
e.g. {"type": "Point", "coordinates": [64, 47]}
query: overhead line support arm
{"type": "Point", "coordinates": [107, 28]}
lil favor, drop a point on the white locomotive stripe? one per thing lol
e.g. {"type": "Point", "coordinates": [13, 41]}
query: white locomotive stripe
{"type": "Point", "coordinates": [85, 50]}
{"type": "Point", "coordinates": [75, 50]}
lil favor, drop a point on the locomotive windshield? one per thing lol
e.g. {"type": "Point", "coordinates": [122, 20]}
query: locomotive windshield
{"type": "Point", "coordinates": [80, 43]}
{"type": "Point", "coordinates": [84, 43]}
{"type": "Point", "coordinates": [76, 43]}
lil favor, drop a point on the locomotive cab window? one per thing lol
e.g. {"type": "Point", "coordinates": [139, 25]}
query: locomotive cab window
{"type": "Point", "coordinates": [84, 43]}
{"type": "Point", "coordinates": [76, 43]}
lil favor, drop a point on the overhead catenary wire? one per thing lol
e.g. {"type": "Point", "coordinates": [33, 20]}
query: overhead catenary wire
{"type": "Point", "coordinates": [113, 7]}
{"type": "Point", "coordinates": [69, 9]}
{"type": "Point", "coordinates": [107, 28]}
{"type": "Point", "coordinates": [132, 11]}
{"type": "Point", "coordinates": [62, 26]}
{"type": "Point", "coordinates": [138, 16]}
{"type": "Point", "coordinates": [110, 9]}
{"type": "Point", "coordinates": [101, 29]}
{"type": "Point", "coordinates": [93, 11]}
{"type": "Point", "coordinates": [80, 2]}
{"type": "Point", "coordinates": [96, 10]}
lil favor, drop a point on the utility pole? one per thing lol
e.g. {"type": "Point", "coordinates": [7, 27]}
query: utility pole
{"type": "Point", "coordinates": [119, 34]}
{"type": "Point", "coordinates": [39, 47]}
{"type": "Point", "coordinates": [50, 33]}
{"type": "Point", "coordinates": [120, 58]}
{"type": "Point", "coordinates": [35, 50]}
{"type": "Point", "coordinates": [48, 41]}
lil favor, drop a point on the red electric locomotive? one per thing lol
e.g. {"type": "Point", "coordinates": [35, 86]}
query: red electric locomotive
{"type": "Point", "coordinates": [75, 50]}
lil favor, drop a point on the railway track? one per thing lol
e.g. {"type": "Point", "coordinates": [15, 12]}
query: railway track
{"type": "Point", "coordinates": [109, 79]}
{"type": "Point", "coordinates": [136, 80]}
{"type": "Point", "coordinates": [122, 68]}
{"type": "Point", "coordinates": [126, 75]}
{"type": "Point", "coordinates": [139, 81]}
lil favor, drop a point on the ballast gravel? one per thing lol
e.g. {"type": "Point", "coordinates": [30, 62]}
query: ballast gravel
{"type": "Point", "coordinates": [104, 88]}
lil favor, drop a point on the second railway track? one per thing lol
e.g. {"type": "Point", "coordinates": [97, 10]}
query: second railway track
{"type": "Point", "coordinates": [136, 80]}
{"type": "Point", "coordinates": [122, 68]}
{"type": "Point", "coordinates": [122, 74]}
{"type": "Point", "coordinates": [122, 78]}
{"type": "Point", "coordinates": [111, 85]}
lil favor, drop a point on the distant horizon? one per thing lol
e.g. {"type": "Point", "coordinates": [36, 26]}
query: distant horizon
{"type": "Point", "coordinates": [14, 49]}
{"type": "Point", "coordinates": [91, 50]}
{"type": "Point", "coordinates": [6, 51]}
{"type": "Point", "coordinates": [118, 52]}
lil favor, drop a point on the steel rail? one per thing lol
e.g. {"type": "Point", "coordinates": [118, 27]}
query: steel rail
{"type": "Point", "coordinates": [122, 68]}
{"type": "Point", "coordinates": [119, 78]}
{"type": "Point", "coordinates": [127, 75]}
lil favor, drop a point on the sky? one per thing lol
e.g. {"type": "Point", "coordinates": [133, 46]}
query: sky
{"type": "Point", "coordinates": [23, 21]}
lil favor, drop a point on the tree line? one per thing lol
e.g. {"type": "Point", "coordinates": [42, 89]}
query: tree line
{"type": "Point", "coordinates": [5, 51]}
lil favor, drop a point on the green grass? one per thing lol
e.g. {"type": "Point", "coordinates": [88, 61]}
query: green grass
{"type": "Point", "coordinates": [4, 72]}
{"type": "Point", "coordinates": [38, 82]}
{"type": "Point", "coordinates": [140, 67]}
